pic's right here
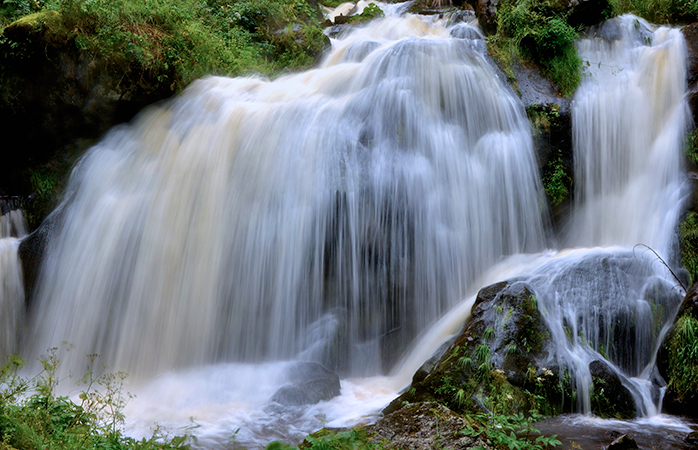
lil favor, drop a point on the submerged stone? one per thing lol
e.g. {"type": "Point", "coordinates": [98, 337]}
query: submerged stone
{"type": "Point", "coordinates": [310, 383]}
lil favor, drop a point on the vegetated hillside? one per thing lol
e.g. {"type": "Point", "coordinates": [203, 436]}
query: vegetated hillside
{"type": "Point", "coordinates": [71, 69]}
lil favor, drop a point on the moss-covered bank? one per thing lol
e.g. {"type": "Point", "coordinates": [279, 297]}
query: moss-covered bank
{"type": "Point", "coordinates": [72, 69]}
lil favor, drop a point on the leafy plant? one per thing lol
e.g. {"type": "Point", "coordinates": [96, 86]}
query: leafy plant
{"type": "Point", "coordinates": [33, 417]}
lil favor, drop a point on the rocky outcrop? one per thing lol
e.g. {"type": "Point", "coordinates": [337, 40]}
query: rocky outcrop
{"type": "Point", "coordinates": [421, 426]}
{"type": "Point", "coordinates": [551, 126]}
{"type": "Point", "coordinates": [624, 442]}
{"type": "Point", "coordinates": [496, 363]}
{"type": "Point", "coordinates": [677, 360]}
{"type": "Point", "coordinates": [56, 99]}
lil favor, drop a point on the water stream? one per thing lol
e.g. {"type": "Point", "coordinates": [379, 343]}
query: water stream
{"type": "Point", "coordinates": [348, 215]}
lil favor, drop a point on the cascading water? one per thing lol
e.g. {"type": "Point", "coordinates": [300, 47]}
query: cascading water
{"type": "Point", "coordinates": [629, 121]}
{"type": "Point", "coordinates": [334, 215]}
{"type": "Point", "coordinates": [11, 282]}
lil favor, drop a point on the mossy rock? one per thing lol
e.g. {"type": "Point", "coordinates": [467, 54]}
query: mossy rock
{"type": "Point", "coordinates": [497, 363]}
{"type": "Point", "coordinates": [609, 398]}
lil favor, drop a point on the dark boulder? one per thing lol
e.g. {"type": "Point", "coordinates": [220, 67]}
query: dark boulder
{"type": "Point", "coordinates": [497, 362]}
{"type": "Point", "coordinates": [310, 383]}
{"type": "Point", "coordinates": [609, 398]}
{"type": "Point", "coordinates": [486, 11]}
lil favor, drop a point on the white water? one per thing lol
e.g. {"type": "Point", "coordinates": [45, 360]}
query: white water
{"type": "Point", "coordinates": [11, 282]}
{"type": "Point", "coordinates": [629, 117]}
{"type": "Point", "coordinates": [335, 215]}
{"type": "Point", "coordinates": [332, 214]}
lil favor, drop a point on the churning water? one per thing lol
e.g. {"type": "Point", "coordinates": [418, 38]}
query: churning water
{"type": "Point", "coordinates": [338, 214]}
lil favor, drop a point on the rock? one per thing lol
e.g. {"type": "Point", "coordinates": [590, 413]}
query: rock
{"type": "Point", "coordinates": [429, 365]}
{"type": "Point", "coordinates": [310, 384]}
{"type": "Point", "coordinates": [505, 366]}
{"type": "Point", "coordinates": [624, 442]}
{"type": "Point", "coordinates": [551, 126]}
{"type": "Point", "coordinates": [420, 426]}
{"type": "Point", "coordinates": [57, 95]}
{"type": "Point", "coordinates": [609, 398]}
{"type": "Point", "coordinates": [692, 438]}
{"type": "Point", "coordinates": [32, 250]}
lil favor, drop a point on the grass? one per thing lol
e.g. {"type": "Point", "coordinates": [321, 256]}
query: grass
{"type": "Point", "coordinates": [659, 11]}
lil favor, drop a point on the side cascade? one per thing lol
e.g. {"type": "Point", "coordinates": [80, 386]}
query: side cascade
{"type": "Point", "coordinates": [613, 305]}
{"type": "Point", "coordinates": [11, 282]}
{"type": "Point", "coordinates": [330, 215]}
{"type": "Point", "coordinates": [630, 118]}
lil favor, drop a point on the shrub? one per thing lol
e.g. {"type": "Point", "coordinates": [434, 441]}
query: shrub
{"type": "Point", "coordinates": [533, 30]}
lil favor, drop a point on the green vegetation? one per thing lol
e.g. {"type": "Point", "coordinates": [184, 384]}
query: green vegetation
{"type": "Point", "coordinates": [357, 439]}
{"type": "Point", "coordinates": [535, 30]}
{"type": "Point", "coordinates": [689, 244]}
{"type": "Point", "coordinates": [556, 181]}
{"type": "Point", "coordinates": [172, 42]}
{"type": "Point", "coordinates": [372, 11]}
{"type": "Point", "coordinates": [683, 359]}
{"type": "Point", "coordinates": [32, 417]}
{"type": "Point", "coordinates": [659, 11]}
{"type": "Point", "coordinates": [510, 431]}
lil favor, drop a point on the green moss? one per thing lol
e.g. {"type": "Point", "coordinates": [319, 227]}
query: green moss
{"type": "Point", "coordinates": [689, 244]}
{"type": "Point", "coordinates": [683, 358]}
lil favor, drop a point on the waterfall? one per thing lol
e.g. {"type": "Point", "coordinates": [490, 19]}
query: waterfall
{"type": "Point", "coordinates": [630, 117]}
{"type": "Point", "coordinates": [330, 215]}
{"type": "Point", "coordinates": [11, 282]}
{"type": "Point", "coordinates": [629, 120]}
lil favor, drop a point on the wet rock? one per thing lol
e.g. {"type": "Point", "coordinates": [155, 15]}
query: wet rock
{"type": "Point", "coordinates": [32, 251]}
{"type": "Point", "coordinates": [584, 13]}
{"type": "Point", "coordinates": [342, 13]}
{"type": "Point", "coordinates": [429, 365]}
{"type": "Point", "coordinates": [310, 383]}
{"type": "Point", "coordinates": [692, 438]}
{"type": "Point", "coordinates": [422, 426]}
{"type": "Point", "coordinates": [624, 442]}
{"type": "Point", "coordinates": [609, 398]}
{"type": "Point", "coordinates": [551, 126]}
{"type": "Point", "coordinates": [506, 366]}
